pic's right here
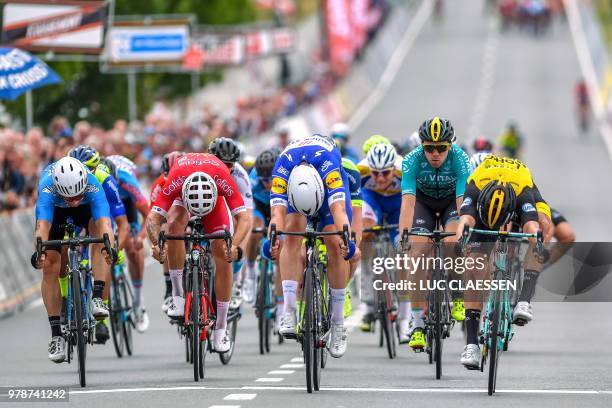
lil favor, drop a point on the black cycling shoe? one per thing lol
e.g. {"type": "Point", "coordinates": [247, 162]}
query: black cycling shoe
{"type": "Point", "coordinates": [102, 334]}
{"type": "Point", "coordinates": [367, 322]}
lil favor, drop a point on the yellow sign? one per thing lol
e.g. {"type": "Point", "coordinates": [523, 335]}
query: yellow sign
{"type": "Point", "coordinates": [333, 180]}
{"type": "Point", "coordinates": [279, 186]}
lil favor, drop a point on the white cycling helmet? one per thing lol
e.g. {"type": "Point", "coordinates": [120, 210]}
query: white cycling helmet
{"type": "Point", "coordinates": [69, 177]}
{"type": "Point", "coordinates": [477, 159]}
{"type": "Point", "coordinates": [340, 130]}
{"type": "Point", "coordinates": [381, 156]}
{"type": "Point", "coordinates": [199, 194]}
{"type": "Point", "coordinates": [414, 140]}
{"type": "Point", "coordinates": [305, 190]}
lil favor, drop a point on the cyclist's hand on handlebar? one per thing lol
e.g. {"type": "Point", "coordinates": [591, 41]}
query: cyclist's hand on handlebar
{"type": "Point", "coordinates": [138, 243]}
{"type": "Point", "coordinates": [275, 250]}
{"type": "Point", "coordinates": [109, 256]}
{"type": "Point", "coordinates": [155, 251]}
{"type": "Point", "coordinates": [36, 261]}
{"type": "Point", "coordinates": [235, 254]}
{"type": "Point", "coordinates": [348, 252]}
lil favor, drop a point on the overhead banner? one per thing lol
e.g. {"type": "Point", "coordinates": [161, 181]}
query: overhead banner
{"type": "Point", "coordinates": [134, 44]}
{"type": "Point", "coordinates": [221, 48]}
{"type": "Point", "coordinates": [269, 41]}
{"type": "Point", "coordinates": [339, 35]}
{"type": "Point", "coordinates": [61, 26]}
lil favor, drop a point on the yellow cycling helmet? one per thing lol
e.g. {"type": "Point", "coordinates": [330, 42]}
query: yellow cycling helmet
{"type": "Point", "coordinates": [374, 140]}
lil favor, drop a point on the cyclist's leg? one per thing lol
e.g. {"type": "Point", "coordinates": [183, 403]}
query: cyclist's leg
{"type": "Point", "coordinates": [135, 256]}
{"type": "Point", "coordinates": [252, 251]}
{"type": "Point", "coordinates": [178, 217]}
{"type": "Point", "coordinates": [449, 219]}
{"type": "Point", "coordinates": [371, 215]}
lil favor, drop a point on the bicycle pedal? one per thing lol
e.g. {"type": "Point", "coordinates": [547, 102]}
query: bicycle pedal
{"type": "Point", "coordinates": [520, 322]}
{"type": "Point", "coordinates": [472, 368]}
{"type": "Point", "coordinates": [419, 350]}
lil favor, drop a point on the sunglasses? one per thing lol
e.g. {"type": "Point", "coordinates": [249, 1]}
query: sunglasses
{"type": "Point", "coordinates": [441, 148]}
{"type": "Point", "coordinates": [381, 173]}
{"type": "Point", "coordinates": [266, 180]}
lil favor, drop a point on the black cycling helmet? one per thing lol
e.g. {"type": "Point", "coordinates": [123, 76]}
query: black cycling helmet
{"type": "Point", "coordinates": [225, 149]}
{"type": "Point", "coordinates": [86, 155]}
{"type": "Point", "coordinates": [437, 130]}
{"type": "Point", "coordinates": [110, 166]}
{"type": "Point", "coordinates": [496, 204]}
{"type": "Point", "coordinates": [169, 159]}
{"type": "Point", "coordinates": [264, 164]}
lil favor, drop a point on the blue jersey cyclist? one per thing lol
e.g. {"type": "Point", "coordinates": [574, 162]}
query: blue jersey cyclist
{"type": "Point", "coordinates": [67, 190]}
{"type": "Point", "coordinates": [135, 202]}
{"type": "Point", "coordinates": [434, 176]}
{"type": "Point", "coordinates": [308, 180]}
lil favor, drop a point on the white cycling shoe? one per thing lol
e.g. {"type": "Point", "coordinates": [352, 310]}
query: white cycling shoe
{"type": "Point", "coordinates": [523, 313]}
{"type": "Point", "coordinates": [470, 357]}
{"type": "Point", "coordinates": [404, 330]}
{"type": "Point", "coordinates": [99, 309]}
{"type": "Point", "coordinates": [142, 320]}
{"type": "Point", "coordinates": [176, 309]}
{"type": "Point", "coordinates": [166, 304]}
{"type": "Point", "coordinates": [338, 341]}
{"type": "Point", "coordinates": [236, 300]}
{"type": "Point", "coordinates": [287, 325]}
{"type": "Point", "coordinates": [248, 292]}
{"type": "Point", "coordinates": [221, 340]}
{"type": "Point", "coordinates": [57, 349]}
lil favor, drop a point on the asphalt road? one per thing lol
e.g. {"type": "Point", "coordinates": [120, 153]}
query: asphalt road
{"type": "Point", "coordinates": [562, 358]}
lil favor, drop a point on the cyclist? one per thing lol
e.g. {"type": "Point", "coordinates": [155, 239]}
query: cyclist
{"type": "Point", "coordinates": [372, 140]}
{"type": "Point", "coordinates": [200, 185]}
{"type": "Point", "coordinates": [482, 145]}
{"type": "Point", "coordinates": [228, 152]}
{"type": "Point", "coordinates": [67, 190]}
{"type": "Point", "coordinates": [499, 190]}
{"type": "Point", "coordinates": [91, 158]}
{"type": "Point", "coordinates": [341, 133]}
{"type": "Point", "coordinates": [167, 163]}
{"type": "Point", "coordinates": [581, 97]}
{"type": "Point", "coordinates": [511, 141]}
{"type": "Point", "coordinates": [433, 183]}
{"type": "Point", "coordinates": [298, 189]}
{"type": "Point", "coordinates": [135, 202]}
{"type": "Point", "coordinates": [381, 179]}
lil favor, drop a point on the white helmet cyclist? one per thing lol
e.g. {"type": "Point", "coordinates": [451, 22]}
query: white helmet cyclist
{"type": "Point", "coordinates": [305, 190]}
{"type": "Point", "coordinates": [381, 156]}
{"type": "Point", "coordinates": [199, 194]}
{"type": "Point", "coordinates": [69, 177]}
{"type": "Point", "coordinates": [477, 159]}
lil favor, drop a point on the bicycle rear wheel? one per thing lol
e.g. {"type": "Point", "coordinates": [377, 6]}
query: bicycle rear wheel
{"type": "Point", "coordinates": [233, 329]}
{"type": "Point", "coordinates": [126, 316]}
{"type": "Point", "coordinates": [307, 331]}
{"type": "Point", "coordinates": [261, 305]}
{"type": "Point", "coordinates": [80, 337]}
{"type": "Point", "coordinates": [494, 343]}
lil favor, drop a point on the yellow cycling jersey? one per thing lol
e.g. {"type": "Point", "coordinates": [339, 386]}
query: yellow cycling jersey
{"type": "Point", "coordinates": [368, 183]}
{"type": "Point", "coordinates": [503, 169]}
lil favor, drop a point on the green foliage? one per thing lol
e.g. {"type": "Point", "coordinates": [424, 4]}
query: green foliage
{"type": "Point", "coordinates": [604, 12]}
{"type": "Point", "coordinates": [104, 96]}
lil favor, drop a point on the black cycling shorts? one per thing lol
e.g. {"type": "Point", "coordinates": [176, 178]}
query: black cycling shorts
{"type": "Point", "coordinates": [80, 217]}
{"type": "Point", "coordinates": [557, 217]}
{"type": "Point", "coordinates": [426, 209]}
{"type": "Point", "coordinates": [130, 211]}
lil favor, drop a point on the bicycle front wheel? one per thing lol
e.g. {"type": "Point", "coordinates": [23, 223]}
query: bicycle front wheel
{"type": "Point", "coordinates": [261, 305]}
{"type": "Point", "coordinates": [494, 342]}
{"type": "Point", "coordinates": [437, 337]}
{"type": "Point", "coordinates": [80, 335]}
{"type": "Point", "coordinates": [115, 318]}
{"type": "Point", "coordinates": [307, 330]}
{"type": "Point", "coordinates": [194, 317]}
{"type": "Point", "coordinates": [126, 315]}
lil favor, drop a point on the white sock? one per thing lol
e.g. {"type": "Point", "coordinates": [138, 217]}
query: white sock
{"type": "Point", "coordinates": [251, 270]}
{"type": "Point", "coordinates": [176, 277]}
{"type": "Point", "coordinates": [289, 294]}
{"type": "Point", "coordinates": [417, 317]}
{"type": "Point", "coordinates": [337, 298]}
{"type": "Point", "coordinates": [222, 308]}
{"type": "Point", "coordinates": [404, 310]}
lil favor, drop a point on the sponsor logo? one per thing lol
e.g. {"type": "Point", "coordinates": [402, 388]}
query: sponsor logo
{"type": "Point", "coordinates": [333, 180]}
{"type": "Point", "coordinates": [335, 198]}
{"type": "Point", "coordinates": [424, 164]}
{"type": "Point", "coordinates": [325, 165]}
{"type": "Point", "coordinates": [48, 190]}
{"type": "Point", "coordinates": [289, 157]}
{"type": "Point", "coordinates": [224, 186]}
{"type": "Point", "coordinates": [466, 202]}
{"type": "Point", "coordinates": [91, 189]}
{"type": "Point", "coordinates": [278, 201]}
{"type": "Point", "coordinates": [318, 153]}
{"type": "Point", "coordinates": [279, 186]}
{"type": "Point", "coordinates": [527, 207]}
{"type": "Point", "coordinates": [283, 171]}
{"type": "Point", "coordinates": [419, 221]}
{"type": "Point", "coordinates": [176, 184]}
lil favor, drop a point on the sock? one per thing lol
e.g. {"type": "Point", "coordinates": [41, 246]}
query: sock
{"type": "Point", "coordinates": [63, 283]}
{"type": "Point", "coordinates": [251, 271]}
{"type": "Point", "coordinates": [222, 308]}
{"type": "Point", "coordinates": [137, 283]}
{"type": "Point", "coordinates": [289, 291]}
{"type": "Point", "coordinates": [98, 288]}
{"type": "Point", "coordinates": [337, 299]}
{"type": "Point", "coordinates": [176, 277]}
{"type": "Point", "coordinates": [417, 317]}
{"type": "Point", "coordinates": [404, 310]}
{"type": "Point", "coordinates": [168, 285]}
{"type": "Point", "coordinates": [529, 286]}
{"type": "Point", "coordinates": [56, 328]}
{"type": "Point", "coordinates": [236, 268]}
{"type": "Point", "coordinates": [472, 323]}
{"type": "Point", "coordinates": [279, 299]}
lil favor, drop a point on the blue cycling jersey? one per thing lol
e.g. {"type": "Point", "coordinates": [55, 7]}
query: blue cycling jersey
{"type": "Point", "coordinates": [111, 190]}
{"type": "Point", "coordinates": [48, 198]}
{"type": "Point", "coordinates": [319, 152]}
{"type": "Point", "coordinates": [259, 190]}
{"type": "Point", "coordinates": [126, 178]}
{"type": "Point", "coordinates": [450, 178]}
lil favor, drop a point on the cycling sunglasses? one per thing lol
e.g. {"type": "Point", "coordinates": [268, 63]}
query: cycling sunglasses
{"type": "Point", "coordinates": [441, 148]}
{"type": "Point", "coordinates": [265, 179]}
{"type": "Point", "coordinates": [381, 173]}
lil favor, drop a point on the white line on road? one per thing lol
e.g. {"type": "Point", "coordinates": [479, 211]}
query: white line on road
{"type": "Point", "coordinates": [269, 379]}
{"type": "Point", "coordinates": [224, 406]}
{"type": "Point", "coordinates": [153, 389]}
{"type": "Point", "coordinates": [239, 397]}
{"type": "Point", "coordinates": [394, 65]}
{"type": "Point", "coordinates": [297, 360]}
{"type": "Point", "coordinates": [292, 366]}
{"type": "Point", "coordinates": [277, 372]}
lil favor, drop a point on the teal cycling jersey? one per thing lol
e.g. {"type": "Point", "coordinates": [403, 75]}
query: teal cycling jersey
{"type": "Point", "coordinates": [450, 178]}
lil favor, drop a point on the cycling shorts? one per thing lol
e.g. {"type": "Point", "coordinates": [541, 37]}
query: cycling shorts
{"type": "Point", "coordinates": [218, 220]}
{"type": "Point", "coordinates": [428, 210]}
{"type": "Point", "coordinates": [80, 217]}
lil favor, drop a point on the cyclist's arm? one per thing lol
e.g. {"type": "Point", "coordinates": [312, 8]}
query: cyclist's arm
{"type": "Point", "coordinates": [244, 221]}
{"type": "Point", "coordinates": [357, 224]}
{"type": "Point", "coordinates": [406, 212]}
{"type": "Point", "coordinates": [123, 230]}
{"type": "Point", "coordinates": [467, 210]}
{"type": "Point", "coordinates": [42, 230]}
{"type": "Point", "coordinates": [153, 226]}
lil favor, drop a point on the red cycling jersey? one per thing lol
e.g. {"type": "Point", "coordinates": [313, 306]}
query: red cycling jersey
{"type": "Point", "coordinates": [209, 164]}
{"type": "Point", "coordinates": [156, 188]}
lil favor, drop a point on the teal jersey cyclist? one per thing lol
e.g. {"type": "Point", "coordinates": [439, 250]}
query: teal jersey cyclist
{"type": "Point", "coordinates": [434, 177]}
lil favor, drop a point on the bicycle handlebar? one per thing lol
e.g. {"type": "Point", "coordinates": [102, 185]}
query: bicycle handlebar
{"type": "Point", "coordinates": [539, 249]}
{"type": "Point", "coordinates": [72, 243]}
{"type": "Point", "coordinates": [196, 237]}
{"type": "Point", "coordinates": [274, 233]}
{"type": "Point", "coordinates": [381, 228]}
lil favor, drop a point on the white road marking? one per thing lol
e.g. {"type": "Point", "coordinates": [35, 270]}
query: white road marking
{"type": "Point", "coordinates": [269, 379]}
{"type": "Point", "coordinates": [297, 360]}
{"type": "Point", "coordinates": [224, 406]}
{"type": "Point", "coordinates": [239, 397]}
{"type": "Point", "coordinates": [153, 389]}
{"type": "Point", "coordinates": [292, 366]}
{"type": "Point", "coordinates": [277, 372]}
{"type": "Point", "coordinates": [394, 65]}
